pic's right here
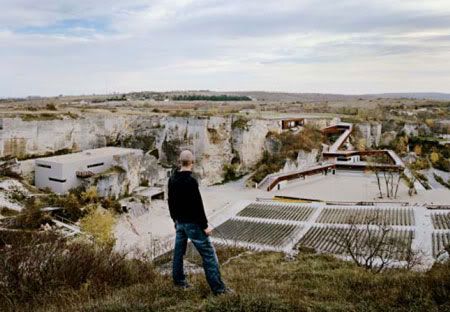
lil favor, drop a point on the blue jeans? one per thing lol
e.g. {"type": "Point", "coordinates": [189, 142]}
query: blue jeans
{"type": "Point", "coordinates": [195, 233]}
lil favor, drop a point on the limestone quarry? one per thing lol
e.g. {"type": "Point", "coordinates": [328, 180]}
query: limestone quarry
{"type": "Point", "coordinates": [250, 159]}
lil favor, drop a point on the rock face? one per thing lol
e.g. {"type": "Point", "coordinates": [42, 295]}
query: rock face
{"type": "Point", "coordinates": [250, 142]}
{"type": "Point", "coordinates": [27, 138]}
{"type": "Point", "coordinates": [121, 179]}
{"type": "Point", "coordinates": [371, 133]}
{"type": "Point", "coordinates": [215, 141]}
{"type": "Point", "coordinates": [208, 138]}
{"type": "Point", "coordinates": [304, 160]}
{"type": "Point", "coordinates": [410, 130]}
{"type": "Point", "coordinates": [388, 137]}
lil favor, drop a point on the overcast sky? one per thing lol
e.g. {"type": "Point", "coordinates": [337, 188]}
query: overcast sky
{"type": "Point", "coordinates": [51, 47]}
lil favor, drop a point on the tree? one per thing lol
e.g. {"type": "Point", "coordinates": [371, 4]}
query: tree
{"type": "Point", "coordinates": [361, 144]}
{"type": "Point", "coordinates": [418, 150]}
{"type": "Point", "coordinates": [373, 245]}
{"type": "Point", "coordinates": [391, 177]}
{"type": "Point", "coordinates": [434, 157]}
{"type": "Point", "coordinates": [401, 145]}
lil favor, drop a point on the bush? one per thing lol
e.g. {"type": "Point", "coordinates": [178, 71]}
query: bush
{"type": "Point", "coordinates": [38, 267]}
{"type": "Point", "coordinates": [31, 217]}
{"type": "Point", "coordinates": [51, 106]}
{"type": "Point", "coordinates": [291, 143]}
{"type": "Point", "coordinates": [438, 283]}
{"type": "Point", "coordinates": [267, 165]}
{"type": "Point", "coordinates": [72, 208]}
{"type": "Point", "coordinates": [442, 164]}
{"type": "Point", "coordinates": [70, 203]}
{"type": "Point", "coordinates": [100, 224]}
{"type": "Point", "coordinates": [230, 173]}
{"type": "Point", "coordinates": [420, 164]}
{"type": "Point", "coordinates": [112, 204]}
{"type": "Point", "coordinates": [90, 195]}
{"type": "Point", "coordinates": [239, 123]}
{"type": "Point", "coordinates": [8, 172]}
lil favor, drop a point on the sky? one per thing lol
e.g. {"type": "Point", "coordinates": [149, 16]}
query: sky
{"type": "Point", "coordinates": [73, 47]}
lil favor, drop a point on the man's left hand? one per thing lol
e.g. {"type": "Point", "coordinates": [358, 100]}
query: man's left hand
{"type": "Point", "coordinates": [208, 230]}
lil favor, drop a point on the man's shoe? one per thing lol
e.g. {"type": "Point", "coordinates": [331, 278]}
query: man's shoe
{"type": "Point", "coordinates": [224, 292]}
{"type": "Point", "coordinates": [183, 286]}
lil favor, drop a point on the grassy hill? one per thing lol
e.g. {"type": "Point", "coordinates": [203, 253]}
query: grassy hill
{"type": "Point", "coordinates": [50, 274]}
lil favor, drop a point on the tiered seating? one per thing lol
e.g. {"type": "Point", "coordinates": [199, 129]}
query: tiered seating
{"type": "Point", "coordinates": [273, 234]}
{"type": "Point", "coordinates": [328, 239]}
{"type": "Point", "coordinates": [291, 212]}
{"type": "Point", "coordinates": [391, 216]}
{"type": "Point", "coordinates": [439, 241]}
{"type": "Point", "coordinates": [441, 221]}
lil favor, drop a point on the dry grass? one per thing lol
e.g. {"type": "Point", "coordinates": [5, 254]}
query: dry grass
{"type": "Point", "coordinates": [80, 277]}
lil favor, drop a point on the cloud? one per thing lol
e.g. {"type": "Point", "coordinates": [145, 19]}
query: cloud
{"type": "Point", "coordinates": [49, 47]}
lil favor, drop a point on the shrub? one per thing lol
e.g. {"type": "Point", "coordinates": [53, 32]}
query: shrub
{"type": "Point", "coordinates": [51, 106]}
{"type": "Point", "coordinates": [291, 143]}
{"type": "Point", "coordinates": [214, 136]}
{"type": "Point", "coordinates": [239, 123]}
{"type": "Point", "coordinates": [72, 208]}
{"type": "Point", "coordinates": [267, 165]}
{"type": "Point", "coordinates": [112, 204]}
{"type": "Point", "coordinates": [442, 164]}
{"type": "Point", "coordinates": [90, 195]}
{"type": "Point", "coordinates": [32, 217]}
{"type": "Point", "coordinates": [99, 223]}
{"type": "Point", "coordinates": [230, 173]}
{"type": "Point", "coordinates": [40, 266]}
{"type": "Point", "coordinates": [420, 164]}
{"type": "Point", "coordinates": [6, 212]}
{"type": "Point", "coordinates": [438, 283]}
{"type": "Point", "coordinates": [8, 172]}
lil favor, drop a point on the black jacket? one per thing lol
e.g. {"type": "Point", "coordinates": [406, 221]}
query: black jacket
{"type": "Point", "coordinates": [185, 201]}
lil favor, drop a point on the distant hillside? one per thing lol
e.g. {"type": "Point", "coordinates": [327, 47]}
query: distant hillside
{"type": "Point", "coordinates": [417, 95]}
{"type": "Point", "coordinates": [207, 95]}
{"type": "Point", "coordinates": [321, 97]}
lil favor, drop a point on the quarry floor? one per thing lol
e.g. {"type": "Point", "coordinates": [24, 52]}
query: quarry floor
{"type": "Point", "coordinates": [152, 233]}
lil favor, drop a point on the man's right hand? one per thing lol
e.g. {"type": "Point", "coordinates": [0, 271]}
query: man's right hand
{"type": "Point", "coordinates": [208, 230]}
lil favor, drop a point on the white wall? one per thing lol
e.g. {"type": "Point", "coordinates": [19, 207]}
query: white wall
{"type": "Point", "coordinates": [67, 171]}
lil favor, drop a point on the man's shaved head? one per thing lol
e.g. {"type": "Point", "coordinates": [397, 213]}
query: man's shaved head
{"type": "Point", "coordinates": [186, 158]}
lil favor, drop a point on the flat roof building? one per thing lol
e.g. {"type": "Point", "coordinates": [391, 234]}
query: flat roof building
{"type": "Point", "coordinates": [64, 172]}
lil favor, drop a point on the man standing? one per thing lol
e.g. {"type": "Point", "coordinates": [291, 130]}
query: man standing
{"type": "Point", "coordinates": [187, 212]}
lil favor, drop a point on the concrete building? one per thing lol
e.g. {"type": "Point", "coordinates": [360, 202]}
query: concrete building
{"type": "Point", "coordinates": [64, 172]}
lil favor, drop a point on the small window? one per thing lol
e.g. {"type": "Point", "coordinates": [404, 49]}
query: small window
{"type": "Point", "coordinates": [95, 165]}
{"type": "Point", "coordinates": [44, 166]}
{"type": "Point", "coordinates": [57, 180]}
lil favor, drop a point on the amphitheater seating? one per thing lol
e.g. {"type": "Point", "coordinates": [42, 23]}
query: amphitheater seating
{"type": "Point", "coordinates": [387, 216]}
{"type": "Point", "coordinates": [327, 238]}
{"type": "Point", "coordinates": [273, 234]}
{"type": "Point", "coordinates": [439, 241]}
{"type": "Point", "coordinates": [441, 221]}
{"type": "Point", "coordinates": [292, 212]}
